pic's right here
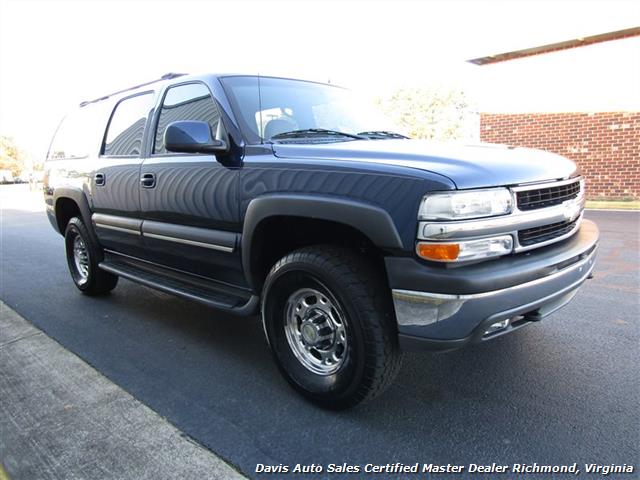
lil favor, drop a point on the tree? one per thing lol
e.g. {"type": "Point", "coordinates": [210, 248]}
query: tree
{"type": "Point", "coordinates": [11, 158]}
{"type": "Point", "coordinates": [436, 113]}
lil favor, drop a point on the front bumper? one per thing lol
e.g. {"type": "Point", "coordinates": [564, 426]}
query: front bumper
{"type": "Point", "coordinates": [441, 308]}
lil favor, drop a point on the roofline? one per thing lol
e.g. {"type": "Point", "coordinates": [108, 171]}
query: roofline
{"type": "Point", "coordinates": [171, 76]}
{"type": "Point", "coordinates": [166, 76]}
{"type": "Point", "coordinates": [554, 47]}
{"type": "Point", "coordinates": [328, 84]}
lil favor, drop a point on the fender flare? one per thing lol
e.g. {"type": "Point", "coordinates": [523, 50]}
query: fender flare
{"type": "Point", "coordinates": [372, 221]}
{"type": "Point", "coordinates": [80, 198]}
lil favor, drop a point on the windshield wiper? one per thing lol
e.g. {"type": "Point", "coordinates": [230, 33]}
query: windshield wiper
{"type": "Point", "coordinates": [315, 132]}
{"type": "Point", "coordinates": [380, 134]}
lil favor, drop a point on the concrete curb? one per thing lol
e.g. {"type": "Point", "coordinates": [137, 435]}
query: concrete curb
{"type": "Point", "coordinates": [60, 418]}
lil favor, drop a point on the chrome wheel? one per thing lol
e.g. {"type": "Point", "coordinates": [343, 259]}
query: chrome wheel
{"type": "Point", "coordinates": [316, 331]}
{"type": "Point", "coordinates": [81, 258]}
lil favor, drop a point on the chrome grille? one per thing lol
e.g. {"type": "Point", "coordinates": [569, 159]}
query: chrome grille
{"type": "Point", "coordinates": [544, 233]}
{"type": "Point", "coordinates": [547, 197]}
{"type": "Point", "coordinates": [546, 213]}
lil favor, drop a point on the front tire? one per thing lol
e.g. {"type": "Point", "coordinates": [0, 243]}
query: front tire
{"type": "Point", "coordinates": [83, 257]}
{"type": "Point", "coordinates": [329, 321]}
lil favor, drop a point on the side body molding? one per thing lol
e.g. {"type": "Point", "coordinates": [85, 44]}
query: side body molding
{"type": "Point", "coordinates": [200, 237]}
{"type": "Point", "coordinates": [372, 221]}
{"type": "Point", "coordinates": [121, 224]}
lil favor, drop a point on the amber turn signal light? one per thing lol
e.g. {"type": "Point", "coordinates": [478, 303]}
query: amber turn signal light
{"type": "Point", "coordinates": [438, 251]}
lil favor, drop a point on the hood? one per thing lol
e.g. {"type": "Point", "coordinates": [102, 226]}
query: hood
{"type": "Point", "coordinates": [468, 166]}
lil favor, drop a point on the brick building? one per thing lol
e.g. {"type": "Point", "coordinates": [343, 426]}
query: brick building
{"type": "Point", "coordinates": [579, 98]}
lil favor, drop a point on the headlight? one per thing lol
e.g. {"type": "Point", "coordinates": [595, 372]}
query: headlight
{"type": "Point", "coordinates": [465, 250]}
{"type": "Point", "coordinates": [459, 205]}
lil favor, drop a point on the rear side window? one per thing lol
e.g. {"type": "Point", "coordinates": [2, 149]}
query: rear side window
{"type": "Point", "coordinates": [124, 134]}
{"type": "Point", "coordinates": [187, 102]}
{"type": "Point", "coordinates": [79, 135]}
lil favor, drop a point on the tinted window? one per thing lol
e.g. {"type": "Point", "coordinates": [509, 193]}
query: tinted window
{"type": "Point", "coordinates": [187, 102]}
{"type": "Point", "coordinates": [124, 136]}
{"type": "Point", "coordinates": [80, 133]}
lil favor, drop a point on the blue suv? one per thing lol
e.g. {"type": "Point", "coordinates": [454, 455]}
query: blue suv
{"type": "Point", "coordinates": [293, 200]}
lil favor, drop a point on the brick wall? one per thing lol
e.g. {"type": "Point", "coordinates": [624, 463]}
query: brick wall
{"type": "Point", "coordinates": [606, 146]}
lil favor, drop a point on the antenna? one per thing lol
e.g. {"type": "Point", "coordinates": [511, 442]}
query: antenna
{"type": "Point", "coordinates": [260, 110]}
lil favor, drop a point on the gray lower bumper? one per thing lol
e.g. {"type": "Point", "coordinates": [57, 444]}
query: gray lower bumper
{"type": "Point", "coordinates": [446, 321]}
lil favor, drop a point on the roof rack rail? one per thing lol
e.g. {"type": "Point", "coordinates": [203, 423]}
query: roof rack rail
{"type": "Point", "coordinates": [166, 76]}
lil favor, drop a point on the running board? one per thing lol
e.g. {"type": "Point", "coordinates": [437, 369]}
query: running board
{"type": "Point", "coordinates": [182, 285]}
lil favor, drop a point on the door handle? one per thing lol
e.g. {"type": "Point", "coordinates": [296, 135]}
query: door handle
{"type": "Point", "coordinates": [99, 179]}
{"type": "Point", "coordinates": [148, 180]}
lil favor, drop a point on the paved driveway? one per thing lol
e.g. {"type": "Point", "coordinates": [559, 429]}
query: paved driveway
{"type": "Point", "coordinates": [563, 391]}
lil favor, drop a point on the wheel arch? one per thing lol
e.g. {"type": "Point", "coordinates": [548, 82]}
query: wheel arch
{"type": "Point", "coordinates": [326, 219]}
{"type": "Point", "coordinates": [68, 203]}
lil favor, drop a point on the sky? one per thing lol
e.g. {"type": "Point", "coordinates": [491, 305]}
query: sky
{"type": "Point", "coordinates": [55, 54]}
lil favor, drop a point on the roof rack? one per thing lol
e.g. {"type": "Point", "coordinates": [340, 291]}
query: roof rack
{"type": "Point", "coordinates": [166, 76]}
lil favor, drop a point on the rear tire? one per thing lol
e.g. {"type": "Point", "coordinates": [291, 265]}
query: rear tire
{"type": "Point", "coordinates": [328, 318]}
{"type": "Point", "coordinates": [83, 257]}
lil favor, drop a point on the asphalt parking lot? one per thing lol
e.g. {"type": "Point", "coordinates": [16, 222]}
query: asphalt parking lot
{"type": "Point", "coordinates": [566, 390]}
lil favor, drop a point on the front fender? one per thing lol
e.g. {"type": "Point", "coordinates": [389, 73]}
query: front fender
{"type": "Point", "coordinates": [372, 221]}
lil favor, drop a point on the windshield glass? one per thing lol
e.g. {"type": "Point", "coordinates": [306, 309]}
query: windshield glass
{"type": "Point", "coordinates": [274, 109]}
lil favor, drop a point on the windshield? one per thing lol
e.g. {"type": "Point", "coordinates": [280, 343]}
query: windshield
{"type": "Point", "coordinates": [279, 110]}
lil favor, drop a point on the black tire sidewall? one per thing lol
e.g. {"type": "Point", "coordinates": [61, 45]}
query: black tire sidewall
{"type": "Point", "coordinates": [330, 389]}
{"type": "Point", "coordinates": [76, 228]}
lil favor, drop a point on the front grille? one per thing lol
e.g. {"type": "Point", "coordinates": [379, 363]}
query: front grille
{"type": "Point", "coordinates": [547, 197]}
{"type": "Point", "coordinates": [531, 236]}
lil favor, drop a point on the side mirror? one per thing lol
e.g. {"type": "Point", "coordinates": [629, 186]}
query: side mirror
{"type": "Point", "coordinates": [188, 136]}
